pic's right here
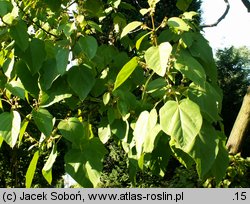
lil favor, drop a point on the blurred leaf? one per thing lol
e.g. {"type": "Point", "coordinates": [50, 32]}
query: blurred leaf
{"type": "Point", "coordinates": [5, 7]}
{"type": "Point", "coordinates": [183, 4]}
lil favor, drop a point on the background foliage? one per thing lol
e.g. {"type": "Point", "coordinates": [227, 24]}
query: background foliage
{"type": "Point", "coordinates": [83, 79]}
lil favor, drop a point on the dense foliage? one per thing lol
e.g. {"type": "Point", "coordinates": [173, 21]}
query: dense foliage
{"type": "Point", "coordinates": [148, 84]}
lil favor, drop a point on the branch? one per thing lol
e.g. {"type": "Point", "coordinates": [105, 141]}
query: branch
{"type": "Point", "coordinates": [246, 4]}
{"type": "Point", "coordinates": [35, 23]}
{"type": "Point", "coordinates": [220, 19]}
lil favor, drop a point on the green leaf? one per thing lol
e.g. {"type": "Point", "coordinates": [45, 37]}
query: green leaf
{"type": "Point", "coordinates": [183, 4]}
{"type": "Point", "coordinates": [152, 3]}
{"type": "Point", "coordinates": [205, 149]}
{"type": "Point", "coordinates": [114, 3]}
{"type": "Point", "coordinates": [88, 46]}
{"type": "Point", "coordinates": [5, 7]}
{"type": "Point", "coordinates": [208, 99]}
{"type": "Point", "coordinates": [24, 125]}
{"type": "Point", "coordinates": [157, 57]}
{"type": "Point", "coordinates": [35, 55]}
{"type": "Point", "coordinates": [62, 57]}
{"type": "Point", "coordinates": [106, 98]}
{"type": "Point", "coordinates": [81, 80]}
{"type": "Point", "coordinates": [16, 88]}
{"type": "Point", "coordinates": [138, 42]}
{"type": "Point", "coordinates": [10, 127]}
{"type": "Point", "coordinates": [44, 120]}
{"type": "Point", "coordinates": [19, 33]}
{"type": "Point", "coordinates": [130, 27]}
{"type": "Point", "coordinates": [73, 130]}
{"type": "Point", "coordinates": [59, 91]}
{"type": "Point", "coordinates": [182, 121]}
{"type": "Point", "coordinates": [203, 52]}
{"type": "Point", "coordinates": [145, 132]}
{"type": "Point", "coordinates": [178, 24]}
{"type": "Point", "coordinates": [47, 169]}
{"type": "Point", "coordinates": [125, 72]}
{"type": "Point", "coordinates": [94, 25]}
{"type": "Point", "coordinates": [29, 82]}
{"type": "Point", "coordinates": [184, 158]}
{"type": "Point", "coordinates": [104, 131]}
{"type": "Point", "coordinates": [31, 170]}
{"type": "Point", "coordinates": [1, 141]}
{"type": "Point", "coordinates": [221, 163]}
{"type": "Point", "coordinates": [94, 8]}
{"type": "Point", "coordinates": [85, 166]}
{"type": "Point", "coordinates": [190, 68]}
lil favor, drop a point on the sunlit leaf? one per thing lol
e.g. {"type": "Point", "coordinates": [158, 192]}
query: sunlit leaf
{"type": "Point", "coordinates": [125, 72]}
{"type": "Point", "coordinates": [181, 120]}
{"type": "Point", "coordinates": [31, 170]}
{"type": "Point", "coordinates": [10, 124]}
{"type": "Point", "coordinates": [47, 169]}
{"type": "Point", "coordinates": [178, 24]}
{"type": "Point", "coordinates": [157, 57]}
{"type": "Point", "coordinates": [130, 27]}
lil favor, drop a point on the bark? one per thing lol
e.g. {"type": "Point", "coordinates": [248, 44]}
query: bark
{"type": "Point", "coordinates": [240, 127]}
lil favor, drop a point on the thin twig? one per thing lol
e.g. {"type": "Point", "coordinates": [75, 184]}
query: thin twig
{"type": "Point", "coordinates": [220, 19]}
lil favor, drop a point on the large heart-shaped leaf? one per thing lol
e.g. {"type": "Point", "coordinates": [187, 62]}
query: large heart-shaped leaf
{"type": "Point", "coordinates": [182, 121]}
{"type": "Point", "coordinates": [157, 57]}
{"type": "Point", "coordinates": [88, 46]}
{"type": "Point", "coordinates": [81, 80]}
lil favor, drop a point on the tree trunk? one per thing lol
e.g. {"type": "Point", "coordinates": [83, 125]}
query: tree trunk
{"type": "Point", "coordinates": [241, 126]}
